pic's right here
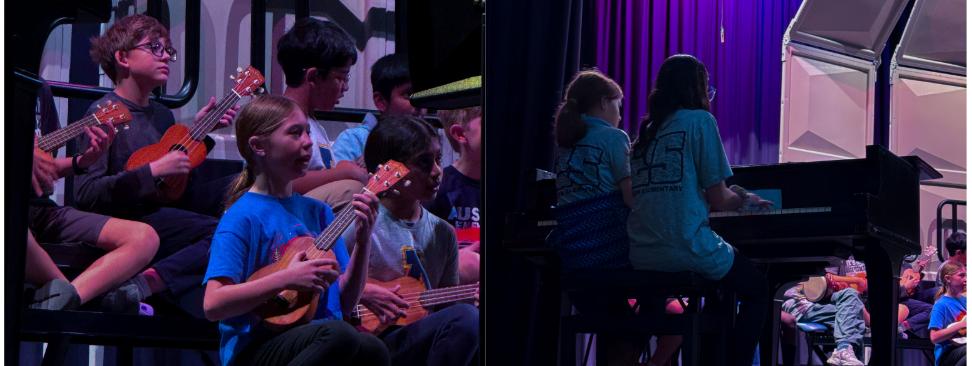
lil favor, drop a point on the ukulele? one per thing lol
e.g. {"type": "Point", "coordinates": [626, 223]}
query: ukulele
{"type": "Point", "coordinates": [419, 299]}
{"type": "Point", "coordinates": [290, 307]}
{"type": "Point", "coordinates": [113, 112]}
{"type": "Point", "coordinates": [181, 138]}
{"type": "Point", "coordinates": [914, 273]}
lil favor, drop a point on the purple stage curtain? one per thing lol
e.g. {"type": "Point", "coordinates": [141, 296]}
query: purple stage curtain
{"type": "Point", "coordinates": [740, 43]}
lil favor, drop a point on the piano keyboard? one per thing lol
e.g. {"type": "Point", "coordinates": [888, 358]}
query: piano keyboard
{"type": "Point", "coordinates": [785, 211]}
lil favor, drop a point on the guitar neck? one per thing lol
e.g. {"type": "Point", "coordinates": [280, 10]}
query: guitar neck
{"type": "Point", "coordinates": [56, 139]}
{"type": "Point", "coordinates": [205, 126]}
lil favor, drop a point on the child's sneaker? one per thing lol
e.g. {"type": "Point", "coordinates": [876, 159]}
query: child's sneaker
{"type": "Point", "coordinates": [56, 295]}
{"type": "Point", "coordinates": [844, 357]}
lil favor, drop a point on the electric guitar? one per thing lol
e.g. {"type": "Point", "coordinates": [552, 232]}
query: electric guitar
{"type": "Point", "coordinates": [914, 273]}
{"type": "Point", "coordinates": [290, 307]}
{"type": "Point", "coordinates": [419, 299]}
{"type": "Point", "coordinates": [181, 138]}
{"type": "Point", "coordinates": [113, 112]}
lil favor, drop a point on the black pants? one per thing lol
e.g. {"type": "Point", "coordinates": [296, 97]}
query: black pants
{"type": "Point", "coordinates": [330, 343]}
{"type": "Point", "coordinates": [953, 357]}
{"type": "Point", "coordinates": [183, 256]}
{"type": "Point", "coordinates": [751, 289]}
{"type": "Point", "coordinates": [447, 337]}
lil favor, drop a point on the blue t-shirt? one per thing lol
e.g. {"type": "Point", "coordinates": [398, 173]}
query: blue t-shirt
{"type": "Point", "coordinates": [350, 144]}
{"type": "Point", "coordinates": [946, 311]}
{"type": "Point", "coordinates": [594, 165]}
{"type": "Point", "coordinates": [669, 222]}
{"type": "Point", "coordinates": [253, 234]}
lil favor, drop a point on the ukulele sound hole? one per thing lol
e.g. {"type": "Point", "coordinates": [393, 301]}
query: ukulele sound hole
{"type": "Point", "coordinates": [280, 301]}
{"type": "Point", "coordinates": [179, 147]}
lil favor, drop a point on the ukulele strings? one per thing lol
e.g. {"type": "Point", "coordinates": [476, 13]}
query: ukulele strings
{"type": "Point", "coordinates": [433, 297]}
{"type": "Point", "coordinates": [57, 138]}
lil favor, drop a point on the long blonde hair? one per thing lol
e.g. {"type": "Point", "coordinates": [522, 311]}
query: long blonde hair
{"type": "Point", "coordinates": [260, 117]}
{"type": "Point", "coordinates": [950, 268]}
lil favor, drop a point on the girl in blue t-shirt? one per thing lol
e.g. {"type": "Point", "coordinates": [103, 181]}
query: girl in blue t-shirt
{"type": "Point", "coordinates": [947, 323]}
{"type": "Point", "coordinates": [263, 216]}
{"type": "Point", "coordinates": [678, 171]}
{"type": "Point", "coordinates": [594, 199]}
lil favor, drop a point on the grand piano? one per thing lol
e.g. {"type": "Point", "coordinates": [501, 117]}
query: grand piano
{"type": "Point", "coordinates": [831, 210]}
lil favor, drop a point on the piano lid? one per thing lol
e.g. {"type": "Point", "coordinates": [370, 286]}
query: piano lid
{"type": "Point", "coordinates": [858, 28]}
{"type": "Point", "coordinates": [934, 38]}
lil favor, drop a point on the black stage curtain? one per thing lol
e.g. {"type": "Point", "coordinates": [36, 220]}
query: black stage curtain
{"type": "Point", "coordinates": [533, 49]}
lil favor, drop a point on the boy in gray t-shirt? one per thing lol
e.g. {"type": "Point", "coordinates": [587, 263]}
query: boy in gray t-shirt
{"type": "Point", "coordinates": [409, 241]}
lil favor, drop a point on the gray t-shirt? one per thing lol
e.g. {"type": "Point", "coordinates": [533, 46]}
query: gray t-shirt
{"type": "Point", "coordinates": [432, 239]}
{"type": "Point", "coordinates": [594, 165]}
{"type": "Point", "coordinates": [669, 223]}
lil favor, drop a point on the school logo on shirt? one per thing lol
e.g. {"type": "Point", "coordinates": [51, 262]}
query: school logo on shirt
{"type": "Point", "coordinates": [326, 155]}
{"type": "Point", "coordinates": [464, 217]}
{"type": "Point", "coordinates": [412, 262]}
{"type": "Point", "coordinates": [579, 170]}
{"type": "Point", "coordinates": [661, 163]}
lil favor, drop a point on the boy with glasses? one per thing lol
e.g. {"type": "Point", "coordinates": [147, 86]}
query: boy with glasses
{"type": "Point", "coordinates": [316, 57]}
{"type": "Point", "coordinates": [135, 53]}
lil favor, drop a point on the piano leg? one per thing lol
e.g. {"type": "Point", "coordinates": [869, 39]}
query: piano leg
{"type": "Point", "coordinates": [883, 270]}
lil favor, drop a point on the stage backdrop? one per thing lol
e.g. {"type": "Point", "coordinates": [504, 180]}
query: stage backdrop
{"type": "Point", "coordinates": [740, 43]}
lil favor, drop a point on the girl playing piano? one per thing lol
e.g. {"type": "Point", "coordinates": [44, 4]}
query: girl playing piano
{"type": "Point", "coordinates": [678, 172]}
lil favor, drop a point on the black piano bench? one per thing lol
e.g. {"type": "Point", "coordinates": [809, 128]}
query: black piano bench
{"type": "Point", "coordinates": [648, 287]}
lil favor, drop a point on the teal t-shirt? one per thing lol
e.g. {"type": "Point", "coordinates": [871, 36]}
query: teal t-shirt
{"type": "Point", "coordinates": [669, 222]}
{"type": "Point", "coordinates": [595, 164]}
{"type": "Point", "coordinates": [253, 234]}
{"type": "Point", "coordinates": [945, 312]}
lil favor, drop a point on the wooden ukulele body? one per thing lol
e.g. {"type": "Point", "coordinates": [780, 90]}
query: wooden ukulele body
{"type": "Point", "coordinates": [175, 138]}
{"type": "Point", "coordinates": [282, 313]}
{"type": "Point", "coordinates": [370, 322]}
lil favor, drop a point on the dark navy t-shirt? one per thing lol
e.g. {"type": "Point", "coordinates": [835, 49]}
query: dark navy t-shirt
{"type": "Point", "coordinates": [458, 201]}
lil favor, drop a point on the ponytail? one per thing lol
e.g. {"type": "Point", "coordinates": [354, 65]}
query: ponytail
{"type": "Point", "coordinates": [240, 185]}
{"type": "Point", "coordinates": [682, 83]}
{"type": "Point", "coordinates": [569, 124]}
{"type": "Point", "coordinates": [587, 90]}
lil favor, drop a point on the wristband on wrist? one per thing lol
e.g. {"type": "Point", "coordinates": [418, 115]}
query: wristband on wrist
{"type": "Point", "coordinates": [77, 169]}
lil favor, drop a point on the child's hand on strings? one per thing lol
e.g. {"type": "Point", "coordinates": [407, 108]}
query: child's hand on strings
{"type": "Point", "coordinates": [304, 274]}
{"type": "Point", "coordinates": [175, 162]}
{"type": "Point", "coordinates": [44, 171]}
{"type": "Point", "coordinates": [386, 304]}
{"type": "Point", "coordinates": [366, 210]}
{"type": "Point", "coordinates": [224, 122]}
{"type": "Point", "coordinates": [100, 140]}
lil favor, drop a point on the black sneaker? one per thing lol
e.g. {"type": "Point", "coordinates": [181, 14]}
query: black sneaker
{"type": "Point", "coordinates": [56, 295]}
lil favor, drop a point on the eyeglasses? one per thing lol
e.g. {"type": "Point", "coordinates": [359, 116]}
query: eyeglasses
{"type": "Point", "coordinates": [711, 93]}
{"type": "Point", "coordinates": [156, 49]}
{"type": "Point", "coordinates": [345, 78]}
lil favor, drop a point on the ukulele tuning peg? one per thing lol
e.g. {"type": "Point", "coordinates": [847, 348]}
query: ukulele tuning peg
{"type": "Point", "coordinates": [379, 166]}
{"type": "Point", "coordinates": [260, 90]}
{"type": "Point", "coordinates": [98, 105]}
{"type": "Point", "coordinates": [232, 77]}
{"type": "Point", "coordinates": [387, 168]}
{"type": "Point", "coordinates": [395, 192]}
{"type": "Point", "coordinates": [376, 177]}
{"type": "Point", "coordinates": [125, 128]}
{"type": "Point", "coordinates": [239, 69]}
{"type": "Point", "coordinates": [408, 183]}
{"type": "Point", "coordinates": [387, 185]}
{"type": "Point", "coordinates": [398, 175]}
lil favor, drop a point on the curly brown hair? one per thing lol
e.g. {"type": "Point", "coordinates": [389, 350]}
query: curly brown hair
{"type": "Point", "coordinates": [123, 36]}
